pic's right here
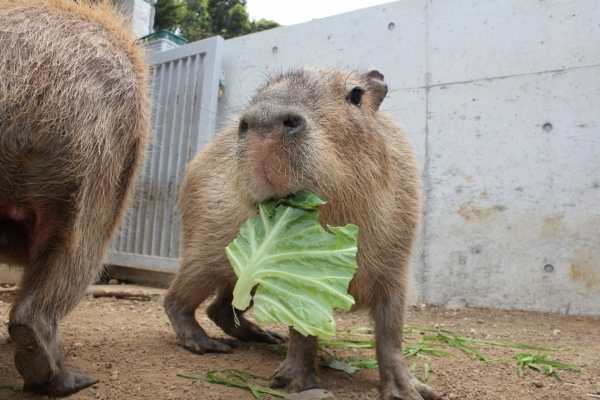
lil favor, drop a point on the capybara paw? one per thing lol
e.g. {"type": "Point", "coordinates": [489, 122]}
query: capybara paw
{"type": "Point", "coordinates": [245, 330]}
{"type": "Point", "coordinates": [64, 384]}
{"type": "Point", "coordinates": [204, 344]}
{"type": "Point", "coordinates": [272, 337]}
{"type": "Point", "coordinates": [408, 390]}
{"type": "Point", "coordinates": [254, 333]}
{"type": "Point", "coordinates": [426, 392]}
{"type": "Point", "coordinates": [295, 378]}
{"type": "Point", "coordinates": [43, 375]}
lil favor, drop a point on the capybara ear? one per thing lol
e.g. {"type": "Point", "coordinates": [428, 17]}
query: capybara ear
{"type": "Point", "coordinates": [376, 87]}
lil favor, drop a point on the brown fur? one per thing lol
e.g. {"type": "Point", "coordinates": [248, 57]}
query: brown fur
{"type": "Point", "coordinates": [73, 126]}
{"type": "Point", "coordinates": [301, 131]}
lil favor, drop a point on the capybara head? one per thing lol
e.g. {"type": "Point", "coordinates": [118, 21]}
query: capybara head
{"type": "Point", "coordinates": [311, 129]}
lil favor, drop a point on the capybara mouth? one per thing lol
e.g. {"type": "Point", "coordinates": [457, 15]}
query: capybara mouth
{"type": "Point", "coordinates": [269, 173]}
{"type": "Point", "coordinates": [267, 182]}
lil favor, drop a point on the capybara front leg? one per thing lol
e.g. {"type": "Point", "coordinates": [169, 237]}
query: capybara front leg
{"type": "Point", "coordinates": [398, 383]}
{"type": "Point", "coordinates": [298, 372]}
{"type": "Point", "coordinates": [185, 295]}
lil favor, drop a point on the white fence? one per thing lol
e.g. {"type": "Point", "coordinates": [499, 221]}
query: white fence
{"type": "Point", "coordinates": [185, 85]}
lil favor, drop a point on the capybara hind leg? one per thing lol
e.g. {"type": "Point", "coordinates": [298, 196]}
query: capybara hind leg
{"type": "Point", "coordinates": [50, 287]}
{"type": "Point", "coordinates": [298, 372]}
{"type": "Point", "coordinates": [397, 381]}
{"type": "Point", "coordinates": [43, 368]}
{"type": "Point", "coordinates": [221, 312]}
{"type": "Point", "coordinates": [181, 303]}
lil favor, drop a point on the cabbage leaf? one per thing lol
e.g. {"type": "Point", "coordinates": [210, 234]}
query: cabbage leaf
{"type": "Point", "coordinates": [302, 271]}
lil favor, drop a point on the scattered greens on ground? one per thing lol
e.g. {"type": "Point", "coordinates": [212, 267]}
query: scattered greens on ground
{"type": "Point", "coordinates": [425, 376]}
{"type": "Point", "coordinates": [302, 271]}
{"type": "Point", "coordinates": [448, 336]}
{"type": "Point", "coordinates": [350, 364]}
{"type": "Point", "coordinates": [16, 388]}
{"type": "Point", "coordinates": [541, 364]}
{"type": "Point", "coordinates": [236, 378]}
{"type": "Point", "coordinates": [430, 343]}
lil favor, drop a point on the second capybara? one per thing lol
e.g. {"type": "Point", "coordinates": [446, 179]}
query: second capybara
{"type": "Point", "coordinates": [321, 130]}
{"type": "Point", "coordinates": [74, 104]}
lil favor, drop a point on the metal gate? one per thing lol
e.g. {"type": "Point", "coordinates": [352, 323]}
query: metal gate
{"type": "Point", "coordinates": [185, 86]}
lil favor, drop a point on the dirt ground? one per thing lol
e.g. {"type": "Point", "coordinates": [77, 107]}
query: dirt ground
{"type": "Point", "coordinates": [130, 347]}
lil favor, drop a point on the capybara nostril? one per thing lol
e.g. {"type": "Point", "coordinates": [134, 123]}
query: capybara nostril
{"type": "Point", "coordinates": [243, 129]}
{"type": "Point", "coordinates": [293, 124]}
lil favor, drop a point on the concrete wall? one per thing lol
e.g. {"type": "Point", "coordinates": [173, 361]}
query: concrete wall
{"type": "Point", "coordinates": [502, 102]}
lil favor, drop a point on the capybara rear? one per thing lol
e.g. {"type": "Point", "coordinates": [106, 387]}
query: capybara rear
{"type": "Point", "coordinates": [73, 126]}
{"type": "Point", "coordinates": [306, 129]}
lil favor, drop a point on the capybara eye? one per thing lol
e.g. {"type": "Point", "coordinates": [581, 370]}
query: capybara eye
{"type": "Point", "coordinates": [243, 130]}
{"type": "Point", "coordinates": [293, 124]}
{"type": "Point", "coordinates": [355, 96]}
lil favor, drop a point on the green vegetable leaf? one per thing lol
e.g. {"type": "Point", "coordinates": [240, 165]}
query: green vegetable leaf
{"type": "Point", "coordinates": [304, 200]}
{"type": "Point", "coordinates": [334, 363]}
{"type": "Point", "coordinates": [302, 271]}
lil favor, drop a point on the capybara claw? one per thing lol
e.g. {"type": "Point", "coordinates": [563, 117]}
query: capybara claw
{"type": "Point", "coordinates": [410, 390]}
{"type": "Point", "coordinates": [250, 332]}
{"type": "Point", "coordinates": [426, 392]}
{"type": "Point", "coordinates": [205, 344]}
{"type": "Point", "coordinates": [277, 382]}
{"type": "Point", "coordinates": [295, 378]}
{"type": "Point", "coordinates": [272, 337]}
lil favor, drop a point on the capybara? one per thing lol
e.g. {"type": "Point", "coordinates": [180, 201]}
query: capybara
{"type": "Point", "coordinates": [74, 102]}
{"type": "Point", "coordinates": [306, 129]}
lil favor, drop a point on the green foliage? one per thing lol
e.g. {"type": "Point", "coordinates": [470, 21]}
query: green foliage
{"type": "Point", "coordinates": [302, 270]}
{"type": "Point", "coordinates": [236, 378]}
{"type": "Point", "coordinates": [238, 23]}
{"type": "Point", "coordinates": [263, 24]}
{"type": "Point", "coordinates": [349, 364]}
{"type": "Point", "coordinates": [16, 388]}
{"type": "Point", "coordinates": [200, 19]}
{"type": "Point", "coordinates": [429, 344]}
{"type": "Point", "coordinates": [195, 23]}
{"type": "Point", "coordinates": [168, 14]}
{"type": "Point", "coordinates": [541, 364]}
